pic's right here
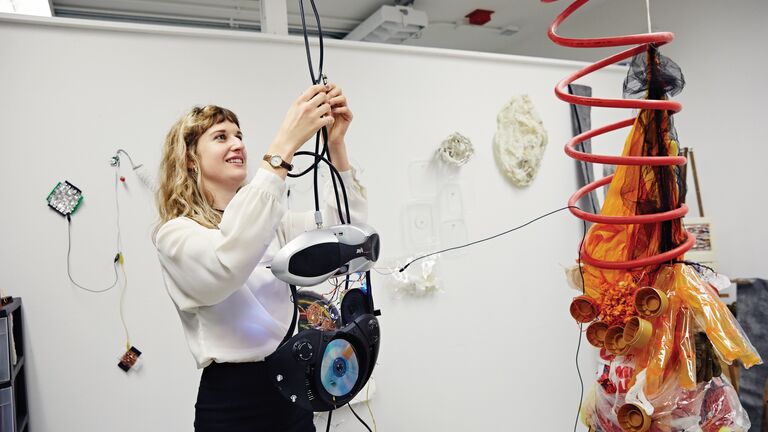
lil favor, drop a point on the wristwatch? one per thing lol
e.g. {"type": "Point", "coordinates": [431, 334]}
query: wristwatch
{"type": "Point", "coordinates": [276, 161]}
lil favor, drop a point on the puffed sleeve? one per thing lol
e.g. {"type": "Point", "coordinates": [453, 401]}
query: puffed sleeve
{"type": "Point", "coordinates": [296, 223]}
{"type": "Point", "coordinates": [207, 265]}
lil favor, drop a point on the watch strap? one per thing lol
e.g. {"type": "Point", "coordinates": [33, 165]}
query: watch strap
{"type": "Point", "coordinates": [283, 164]}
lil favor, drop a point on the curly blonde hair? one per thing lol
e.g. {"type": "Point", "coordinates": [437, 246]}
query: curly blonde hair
{"type": "Point", "coordinates": [181, 192]}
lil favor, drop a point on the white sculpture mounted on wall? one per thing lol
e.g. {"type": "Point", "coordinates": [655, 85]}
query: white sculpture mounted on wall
{"type": "Point", "coordinates": [456, 150]}
{"type": "Point", "coordinates": [520, 140]}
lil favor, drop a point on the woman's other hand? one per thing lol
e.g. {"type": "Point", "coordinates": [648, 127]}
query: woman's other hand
{"type": "Point", "coordinates": [342, 115]}
{"type": "Point", "coordinates": [310, 112]}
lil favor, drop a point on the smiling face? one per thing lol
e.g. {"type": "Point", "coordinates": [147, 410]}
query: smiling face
{"type": "Point", "coordinates": [222, 157]}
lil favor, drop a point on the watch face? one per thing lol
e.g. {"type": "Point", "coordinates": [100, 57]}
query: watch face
{"type": "Point", "coordinates": [275, 161]}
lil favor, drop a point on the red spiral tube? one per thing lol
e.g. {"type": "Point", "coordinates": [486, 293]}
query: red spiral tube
{"type": "Point", "coordinates": [642, 41]}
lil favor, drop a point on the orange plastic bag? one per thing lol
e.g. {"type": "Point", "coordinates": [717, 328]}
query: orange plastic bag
{"type": "Point", "coordinates": [710, 314]}
{"type": "Point", "coordinates": [670, 352]}
{"type": "Point", "coordinates": [636, 190]}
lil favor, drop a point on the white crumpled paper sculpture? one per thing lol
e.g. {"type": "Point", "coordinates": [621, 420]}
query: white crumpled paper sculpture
{"type": "Point", "coordinates": [520, 140]}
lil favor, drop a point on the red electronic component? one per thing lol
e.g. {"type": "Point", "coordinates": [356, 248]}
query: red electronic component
{"type": "Point", "coordinates": [129, 359]}
{"type": "Point", "coordinates": [479, 16]}
{"type": "Point", "coordinates": [122, 179]}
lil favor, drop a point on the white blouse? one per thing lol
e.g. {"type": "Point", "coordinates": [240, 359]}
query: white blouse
{"type": "Point", "coordinates": [231, 306]}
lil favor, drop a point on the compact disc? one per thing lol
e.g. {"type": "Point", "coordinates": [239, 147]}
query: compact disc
{"type": "Point", "coordinates": [340, 368]}
{"type": "Point", "coordinates": [316, 312]}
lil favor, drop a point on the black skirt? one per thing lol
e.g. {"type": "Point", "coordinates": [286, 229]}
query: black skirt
{"type": "Point", "coordinates": [238, 397]}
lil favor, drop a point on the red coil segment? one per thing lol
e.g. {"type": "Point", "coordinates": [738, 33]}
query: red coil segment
{"type": "Point", "coordinates": [642, 41]}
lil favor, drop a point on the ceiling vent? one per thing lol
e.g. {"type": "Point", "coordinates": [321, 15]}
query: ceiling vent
{"type": "Point", "coordinates": [390, 24]}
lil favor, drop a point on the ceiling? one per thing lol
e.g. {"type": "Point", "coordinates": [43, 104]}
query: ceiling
{"type": "Point", "coordinates": [447, 26]}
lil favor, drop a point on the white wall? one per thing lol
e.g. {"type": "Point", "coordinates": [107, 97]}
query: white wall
{"type": "Point", "coordinates": [493, 351]}
{"type": "Point", "coordinates": [720, 47]}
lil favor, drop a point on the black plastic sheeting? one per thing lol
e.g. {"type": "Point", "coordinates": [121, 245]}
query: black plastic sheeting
{"type": "Point", "coordinates": [752, 305]}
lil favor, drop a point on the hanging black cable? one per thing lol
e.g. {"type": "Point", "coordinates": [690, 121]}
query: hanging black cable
{"type": "Point", "coordinates": [323, 132]}
{"type": "Point", "coordinates": [487, 238]}
{"type": "Point", "coordinates": [328, 423]}
{"type": "Point", "coordinates": [578, 345]}
{"type": "Point", "coordinates": [335, 174]}
{"type": "Point", "coordinates": [319, 37]}
{"type": "Point", "coordinates": [315, 171]}
{"type": "Point", "coordinates": [321, 75]}
{"type": "Point", "coordinates": [359, 418]}
{"type": "Point", "coordinates": [321, 155]}
{"type": "Point", "coordinates": [315, 80]}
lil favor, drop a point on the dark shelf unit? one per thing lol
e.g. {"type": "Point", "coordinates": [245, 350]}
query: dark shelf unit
{"type": "Point", "coordinates": [14, 415]}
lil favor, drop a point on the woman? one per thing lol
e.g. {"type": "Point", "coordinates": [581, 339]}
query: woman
{"type": "Point", "coordinates": [216, 239]}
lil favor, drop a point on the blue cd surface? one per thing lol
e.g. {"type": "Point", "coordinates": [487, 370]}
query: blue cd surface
{"type": "Point", "coordinates": [339, 368]}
